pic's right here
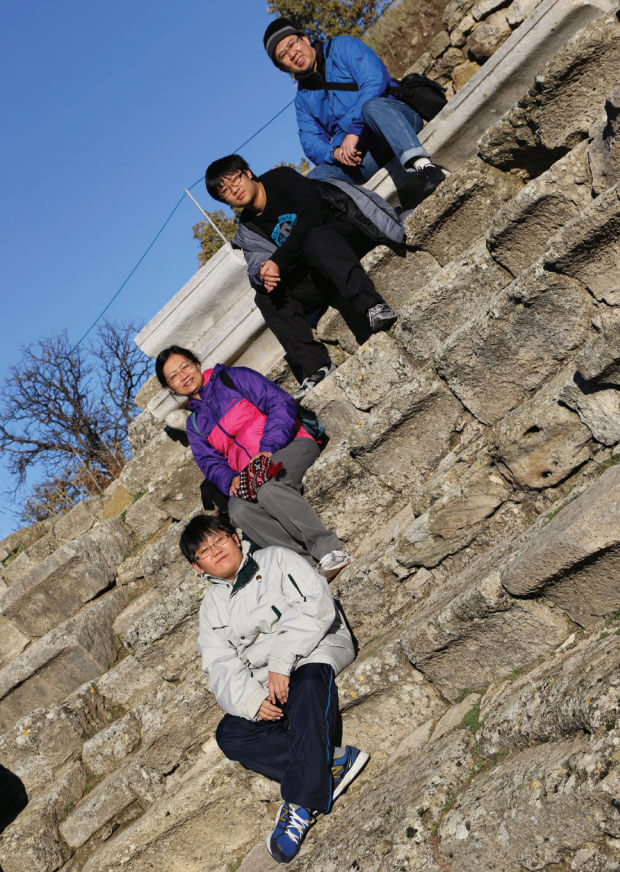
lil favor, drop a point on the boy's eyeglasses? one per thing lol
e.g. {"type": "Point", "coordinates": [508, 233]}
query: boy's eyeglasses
{"type": "Point", "coordinates": [227, 187]}
{"type": "Point", "coordinates": [207, 550]}
{"type": "Point", "coordinates": [288, 48]}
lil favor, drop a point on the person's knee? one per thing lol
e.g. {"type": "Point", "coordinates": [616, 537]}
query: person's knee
{"type": "Point", "coordinates": [313, 243]}
{"type": "Point", "coordinates": [224, 739]}
{"type": "Point", "coordinates": [370, 107]}
{"type": "Point", "coordinates": [239, 511]}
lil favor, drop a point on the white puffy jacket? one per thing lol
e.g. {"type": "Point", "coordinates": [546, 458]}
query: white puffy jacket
{"type": "Point", "coordinates": [277, 615]}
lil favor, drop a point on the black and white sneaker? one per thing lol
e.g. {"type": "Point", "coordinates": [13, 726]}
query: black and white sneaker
{"type": "Point", "coordinates": [381, 317]}
{"type": "Point", "coordinates": [429, 177]}
{"type": "Point", "coordinates": [312, 381]}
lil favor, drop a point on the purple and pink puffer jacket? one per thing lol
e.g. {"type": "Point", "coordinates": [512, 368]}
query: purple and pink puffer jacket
{"type": "Point", "coordinates": [229, 425]}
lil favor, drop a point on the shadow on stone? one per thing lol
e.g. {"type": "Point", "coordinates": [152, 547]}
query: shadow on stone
{"type": "Point", "coordinates": [13, 797]}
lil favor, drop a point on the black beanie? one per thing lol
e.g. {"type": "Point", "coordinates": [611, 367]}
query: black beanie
{"type": "Point", "coordinates": [277, 30]}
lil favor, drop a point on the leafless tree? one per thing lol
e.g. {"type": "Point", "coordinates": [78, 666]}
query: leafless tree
{"type": "Point", "coordinates": [65, 414]}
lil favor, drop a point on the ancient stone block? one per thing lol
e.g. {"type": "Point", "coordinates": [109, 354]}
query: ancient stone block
{"type": "Point", "coordinates": [484, 8]}
{"type": "Point", "coordinates": [79, 519]}
{"type": "Point", "coordinates": [567, 96]}
{"type": "Point", "coordinates": [335, 412]}
{"type": "Point", "coordinates": [110, 746]}
{"type": "Point", "coordinates": [128, 683]}
{"type": "Point", "coordinates": [541, 442]}
{"type": "Point", "coordinates": [537, 816]}
{"type": "Point", "coordinates": [588, 248]}
{"type": "Point", "coordinates": [451, 720]}
{"type": "Point", "coordinates": [368, 378]}
{"type": "Point", "coordinates": [446, 224]}
{"type": "Point", "coordinates": [403, 439]}
{"type": "Point", "coordinates": [455, 11]}
{"type": "Point", "coordinates": [604, 149]}
{"type": "Point", "coordinates": [462, 73]}
{"type": "Point", "coordinates": [65, 657]}
{"type": "Point", "coordinates": [573, 691]}
{"type": "Point", "coordinates": [515, 343]}
{"type": "Point", "coordinates": [144, 518]}
{"type": "Point", "coordinates": [119, 795]}
{"type": "Point", "coordinates": [168, 471]}
{"type": "Point", "coordinates": [439, 43]}
{"type": "Point", "coordinates": [403, 278]}
{"type": "Point", "coordinates": [520, 231]}
{"type": "Point", "coordinates": [116, 499]}
{"type": "Point", "coordinates": [443, 67]}
{"type": "Point", "coordinates": [149, 389]}
{"type": "Point", "coordinates": [60, 585]}
{"type": "Point", "coordinates": [488, 36]}
{"type": "Point", "coordinates": [342, 492]}
{"type": "Point", "coordinates": [459, 35]}
{"type": "Point", "coordinates": [32, 841]}
{"type": "Point", "coordinates": [452, 296]}
{"type": "Point", "coordinates": [575, 559]}
{"type": "Point", "coordinates": [12, 641]}
{"type": "Point", "coordinates": [39, 746]}
{"type": "Point", "coordinates": [142, 429]}
{"type": "Point", "coordinates": [519, 10]}
{"type": "Point", "coordinates": [470, 632]}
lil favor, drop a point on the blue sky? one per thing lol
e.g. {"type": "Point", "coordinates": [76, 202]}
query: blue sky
{"type": "Point", "coordinates": [110, 109]}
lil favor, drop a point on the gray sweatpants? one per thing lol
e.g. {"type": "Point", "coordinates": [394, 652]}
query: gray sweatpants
{"type": "Point", "coordinates": [282, 516]}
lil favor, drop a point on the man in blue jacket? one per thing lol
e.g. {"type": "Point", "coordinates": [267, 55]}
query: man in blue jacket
{"type": "Point", "coordinates": [349, 125]}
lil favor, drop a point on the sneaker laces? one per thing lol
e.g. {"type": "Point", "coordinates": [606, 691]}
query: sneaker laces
{"type": "Point", "coordinates": [296, 827]}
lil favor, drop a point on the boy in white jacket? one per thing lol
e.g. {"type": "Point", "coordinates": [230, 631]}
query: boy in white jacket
{"type": "Point", "coordinates": [272, 641]}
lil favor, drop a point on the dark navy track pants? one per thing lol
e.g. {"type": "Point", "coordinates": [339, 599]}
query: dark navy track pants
{"type": "Point", "coordinates": [297, 750]}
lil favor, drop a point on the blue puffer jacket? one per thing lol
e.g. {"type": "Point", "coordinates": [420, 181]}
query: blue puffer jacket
{"type": "Point", "coordinates": [325, 117]}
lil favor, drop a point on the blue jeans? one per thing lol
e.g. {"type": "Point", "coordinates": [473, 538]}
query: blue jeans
{"type": "Point", "coordinates": [391, 130]}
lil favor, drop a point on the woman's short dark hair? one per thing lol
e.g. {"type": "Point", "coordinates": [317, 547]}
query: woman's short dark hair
{"type": "Point", "coordinates": [163, 356]}
{"type": "Point", "coordinates": [196, 532]}
{"type": "Point", "coordinates": [219, 169]}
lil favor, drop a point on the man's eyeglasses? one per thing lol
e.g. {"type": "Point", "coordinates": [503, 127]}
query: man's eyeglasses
{"type": "Point", "coordinates": [207, 549]}
{"type": "Point", "coordinates": [230, 184]}
{"type": "Point", "coordinates": [288, 48]}
{"type": "Point", "coordinates": [174, 377]}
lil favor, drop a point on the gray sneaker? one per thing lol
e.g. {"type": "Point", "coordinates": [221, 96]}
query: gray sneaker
{"type": "Point", "coordinates": [312, 381]}
{"type": "Point", "coordinates": [381, 317]}
{"type": "Point", "coordinates": [331, 564]}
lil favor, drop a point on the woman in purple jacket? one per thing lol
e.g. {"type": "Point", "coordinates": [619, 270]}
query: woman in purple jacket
{"type": "Point", "coordinates": [236, 415]}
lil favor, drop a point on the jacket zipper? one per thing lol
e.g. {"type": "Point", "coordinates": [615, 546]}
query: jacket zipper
{"type": "Point", "coordinates": [230, 436]}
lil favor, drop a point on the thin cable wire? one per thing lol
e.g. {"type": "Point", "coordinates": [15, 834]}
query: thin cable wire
{"type": "Point", "coordinates": [163, 227]}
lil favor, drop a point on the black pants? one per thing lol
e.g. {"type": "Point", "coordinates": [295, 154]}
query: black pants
{"type": "Point", "coordinates": [297, 751]}
{"type": "Point", "coordinates": [331, 275]}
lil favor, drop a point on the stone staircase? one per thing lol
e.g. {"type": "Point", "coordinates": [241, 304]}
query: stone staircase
{"type": "Point", "coordinates": [472, 470]}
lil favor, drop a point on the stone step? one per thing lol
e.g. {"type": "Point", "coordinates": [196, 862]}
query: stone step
{"type": "Point", "coordinates": [64, 581]}
{"type": "Point", "coordinates": [575, 559]}
{"type": "Point", "coordinates": [53, 666]}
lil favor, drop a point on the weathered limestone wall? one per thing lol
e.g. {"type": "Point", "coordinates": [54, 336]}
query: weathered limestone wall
{"type": "Point", "coordinates": [473, 471]}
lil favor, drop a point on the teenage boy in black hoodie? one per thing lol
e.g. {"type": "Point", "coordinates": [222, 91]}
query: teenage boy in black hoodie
{"type": "Point", "coordinates": [301, 257]}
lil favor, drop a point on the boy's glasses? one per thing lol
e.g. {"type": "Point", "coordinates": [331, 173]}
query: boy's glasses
{"type": "Point", "coordinates": [230, 184]}
{"type": "Point", "coordinates": [208, 549]}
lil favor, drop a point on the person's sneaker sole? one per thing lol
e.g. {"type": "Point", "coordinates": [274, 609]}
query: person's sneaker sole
{"type": "Point", "coordinates": [384, 324]}
{"type": "Point", "coordinates": [360, 761]}
{"type": "Point", "coordinates": [333, 572]}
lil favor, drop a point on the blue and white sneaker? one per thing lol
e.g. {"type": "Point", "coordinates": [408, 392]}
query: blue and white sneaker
{"type": "Point", "coordinates": [292, 824]}
{"type": "Point", "coordinates": [346, 768]}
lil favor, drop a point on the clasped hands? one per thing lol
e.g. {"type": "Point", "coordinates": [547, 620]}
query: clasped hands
{"type": "Point", "coordinates": [269, 274]}
{"type": "Point", "coordinates": [347, 152]}
{"type": "Point", "coordinates": [277, 692]}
